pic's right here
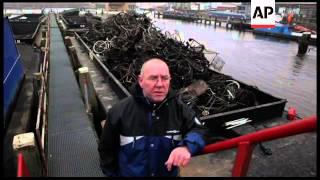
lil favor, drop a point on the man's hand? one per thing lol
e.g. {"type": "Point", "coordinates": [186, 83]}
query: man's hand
{"type": "Point", "coordinates": [180, 156]}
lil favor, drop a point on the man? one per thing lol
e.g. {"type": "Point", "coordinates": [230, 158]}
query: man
{"type": "Point", "coordinates": [143, 133]}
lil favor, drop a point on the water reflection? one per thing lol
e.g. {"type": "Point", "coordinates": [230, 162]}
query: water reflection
{"type": "Point", "coordinates": [237, 35]}
{"type": "Point", "coordinates": [297, 65]}
{"type": "Point", "coordinates": [270, 38]}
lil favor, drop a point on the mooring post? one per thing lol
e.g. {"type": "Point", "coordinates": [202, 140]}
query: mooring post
{"type": "Point", "coordinates": [83, 80]}
{"type": "Point", "coordinates": [26, 144]}
{"type": "Point", "coordinates": [303, 43]}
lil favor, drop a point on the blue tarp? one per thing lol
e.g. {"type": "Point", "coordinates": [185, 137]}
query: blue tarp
{"type": "Point", "coordinates": [13, 69]}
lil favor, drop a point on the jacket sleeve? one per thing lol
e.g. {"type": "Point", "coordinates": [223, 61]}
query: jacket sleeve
{"type": "Point", "coordinates": [195, 134]}
{"type": "Point", "coordinates": [109, 145]}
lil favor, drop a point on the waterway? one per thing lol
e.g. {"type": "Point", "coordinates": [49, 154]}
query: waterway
{"type": "Point", "coordinates": [269, 63]}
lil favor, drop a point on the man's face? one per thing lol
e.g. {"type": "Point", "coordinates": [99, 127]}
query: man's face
{"type": "Point", "coordinates": [155, 80]}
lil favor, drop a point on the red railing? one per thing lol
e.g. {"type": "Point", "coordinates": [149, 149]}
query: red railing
{"type": "Point", "coordinates": [246, 143]}
{"type": "Point", "coordinates": [23, 170]}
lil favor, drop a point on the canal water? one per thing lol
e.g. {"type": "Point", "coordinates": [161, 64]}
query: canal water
{"type": "Point", "coordinates": [269, 63]}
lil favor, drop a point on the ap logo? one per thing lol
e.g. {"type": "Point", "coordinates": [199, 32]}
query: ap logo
{"type": "Point", "coordinates": [262, 13]}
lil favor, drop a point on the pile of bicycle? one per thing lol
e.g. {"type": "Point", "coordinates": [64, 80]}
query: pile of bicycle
{"type": "Point", "coordinates": [125, 40]}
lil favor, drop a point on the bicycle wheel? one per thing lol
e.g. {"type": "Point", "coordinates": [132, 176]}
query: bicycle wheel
{"type": "Point", "coordinates": [99, 46]}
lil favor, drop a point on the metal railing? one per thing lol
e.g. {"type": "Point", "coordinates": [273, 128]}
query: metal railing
{"type": "Point", "coordinates": [246, 143]}
{"type": "Point", "coordinates": [42, 113]}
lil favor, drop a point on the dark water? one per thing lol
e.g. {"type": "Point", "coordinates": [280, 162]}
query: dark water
{"type": "Point", "coordinates": [270, 64]}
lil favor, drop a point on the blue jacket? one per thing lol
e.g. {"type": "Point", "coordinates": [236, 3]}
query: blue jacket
{"type": "Point", "coordinates": [138, 136]}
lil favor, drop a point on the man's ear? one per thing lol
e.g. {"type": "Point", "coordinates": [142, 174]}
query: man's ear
{"type": "Point", "coordinates": [140, 80]}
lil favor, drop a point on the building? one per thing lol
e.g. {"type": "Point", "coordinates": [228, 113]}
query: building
{"type": "Point", "coordinates": [230, 7]}
{"type": "Point", "coordinates": [245, 8]}
{"type": "Point", "coordinates": [200, 6]}
{"type": "Point", "coordinates": [151, 6]}
{"type": "Point", "coordinates": [183, 6]}
{"type": "Point", "coordinates": [116, 6]}
{"type": "Point", "coordinates": [34, 8]}
{"type": "Point", "coordinates": [38, 5]}
{"type": "Point", "coordinates": [132, 6]}
{"type": "Point", "coordinates": [19, 8]}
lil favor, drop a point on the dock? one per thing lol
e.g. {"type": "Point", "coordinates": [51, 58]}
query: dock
{"type": "Point", "coordinates": [72, 142]}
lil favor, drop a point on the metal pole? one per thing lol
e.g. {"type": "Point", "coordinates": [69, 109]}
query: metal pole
{"type": "Point", "coordinates": [303, 43]}
{"type": "Point", "coordinates": [243, 159]}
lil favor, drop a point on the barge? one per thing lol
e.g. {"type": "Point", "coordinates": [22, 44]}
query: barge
{"type": "Point", "coordinates": [25, 27]}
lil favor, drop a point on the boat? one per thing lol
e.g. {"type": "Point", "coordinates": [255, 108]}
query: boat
{"type": "Point", "coordinates": [285, 28]}
{"type": "Point", "coordinates": [26, 26]}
